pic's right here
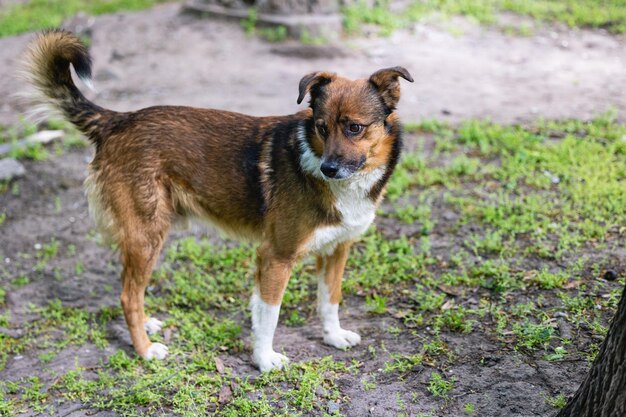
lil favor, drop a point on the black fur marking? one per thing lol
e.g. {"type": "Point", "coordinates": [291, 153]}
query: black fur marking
{"type": "Point", "coordinates": [283, 147]}
{"type": "Point", "coordinates": [317, 94]}
{"type": "Point", "coordinates": [317, 81]}
{"type": "Point", "coordinates": [386, 109]}
{"type": "Point", "coordinates": [250, 158]}
{"type": "Point", "coordinates": [394, 157]}
{"type": "Point", "coordinates": [309, 132]}
{"type": "Point", "coordinates": [82, 65]}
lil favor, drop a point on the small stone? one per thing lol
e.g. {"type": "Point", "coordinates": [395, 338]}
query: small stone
{"type": "Point", "coordinates": [554, 179]}
{"type": "Point", "coordinates": [225, 395]}
{"type": "Point", "coordinates": [45, 136]}
{"type": "Point", "coordinates": [219, 365]}
{"type": "Point", "coordinates": [610, 275]}
{"type": "Point", "coordinates": [10, 168]}
{"type": "Point", "coordinates": [254, 396]}
{"type": "Point", "coordinates": [320, 391]}
{"type": "Point", "coordinates": [12, 333]}
{"type": "Point", "coordinates": [565, 330]}
{"type": "Point", "coordinates": [332, 407]}
{"type": "Point", "coordinates": [120, 332]}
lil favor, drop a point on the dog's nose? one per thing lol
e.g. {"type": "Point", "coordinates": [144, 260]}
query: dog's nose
{"type": "Point", "coordinates": [329, 168]}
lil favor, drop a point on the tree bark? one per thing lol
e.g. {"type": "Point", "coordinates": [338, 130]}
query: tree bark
{"type": "Point", "coordinates": [603, 392]}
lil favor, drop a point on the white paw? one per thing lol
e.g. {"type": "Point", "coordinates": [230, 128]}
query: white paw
{"type": "Point", "coordinates": [342, 339]}
{"type": "Point", "coordinates": [156, 351]}
{"type": "Point", "coordinates": [269, 360]}
{"type": "Point", "coordinates": [153, 325]}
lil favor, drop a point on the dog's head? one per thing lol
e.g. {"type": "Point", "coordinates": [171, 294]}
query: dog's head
{"type": "Point", "coordinates": [352, 119]}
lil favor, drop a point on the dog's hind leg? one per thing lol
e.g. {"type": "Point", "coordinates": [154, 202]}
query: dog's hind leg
{"type": "Point", "coordinates": [139, 253]}
{"type": "Point", "coordinates": [330, 274]}
{"type": "Point", "coordinates": [144, 223]}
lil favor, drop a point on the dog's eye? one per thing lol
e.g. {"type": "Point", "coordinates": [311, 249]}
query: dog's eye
{"type": "Point", "coordinates": [355, 128]}
{"type": "Point", "coordinates": [322, 130]}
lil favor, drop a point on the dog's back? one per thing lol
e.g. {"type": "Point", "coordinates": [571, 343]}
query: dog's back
{"type": "Point", "coordinates": [160, 162]}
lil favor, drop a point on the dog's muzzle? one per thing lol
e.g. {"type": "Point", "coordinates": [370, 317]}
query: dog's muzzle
{"type": "Point", "coordinates": [339, 170]}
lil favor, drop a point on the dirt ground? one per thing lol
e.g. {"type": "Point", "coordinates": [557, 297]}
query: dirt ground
{"type": "Point", "coordinates": [160, 57]}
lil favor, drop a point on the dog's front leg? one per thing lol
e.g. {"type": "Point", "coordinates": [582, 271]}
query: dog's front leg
{"type": "Point", "coordinates": [270, 282]}
{"type": "Point", "coordinates": [330, 273]}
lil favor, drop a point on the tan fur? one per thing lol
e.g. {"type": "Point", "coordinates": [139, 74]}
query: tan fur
{"type": "Point", "coordinates": [332, 266]}
{"type": "Point", "coordinates": [241, 173]}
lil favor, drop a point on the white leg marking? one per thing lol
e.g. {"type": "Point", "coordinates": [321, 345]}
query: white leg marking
{"type": "Point", "coordinates": [264, 321]}
{"type": "Point", "coordinates": [334, 335]}
{"type": "Point", "coordinates": [156, 351]}
{"type": "Point", "coordinates": [153, 325]}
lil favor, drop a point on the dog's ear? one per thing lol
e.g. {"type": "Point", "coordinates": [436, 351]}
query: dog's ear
{"type": "Point", "coordinates": [386, 82]}
{"type": "Point", "coordinates": [312, 82]}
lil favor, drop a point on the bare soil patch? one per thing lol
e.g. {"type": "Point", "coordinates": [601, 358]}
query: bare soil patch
{"type": "Point", "coordinates": [161, 57]}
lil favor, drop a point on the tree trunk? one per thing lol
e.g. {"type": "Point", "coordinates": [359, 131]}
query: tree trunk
{"type": "Point", "coordinates": [603, 392]}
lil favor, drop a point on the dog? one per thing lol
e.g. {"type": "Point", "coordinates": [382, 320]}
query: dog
{"type": "Point", "coordinates": [306, 183]}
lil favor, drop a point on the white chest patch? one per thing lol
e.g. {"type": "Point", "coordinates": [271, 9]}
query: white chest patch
{"type": "Point", "coordinates": [351, 200]}
{"type": "Point", "coordinates": [356, 208]}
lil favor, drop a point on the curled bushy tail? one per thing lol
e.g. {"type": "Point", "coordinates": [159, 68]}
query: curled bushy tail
{"type": "Point", "coordinates": [47, 68]}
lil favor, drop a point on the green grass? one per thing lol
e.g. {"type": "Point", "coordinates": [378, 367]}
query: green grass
{"type": "Point", "coordinates": [438, 386]}
{"type": "Point", "coordinates": [542, 188]}
{"type": "Point", "coordinates": [469, 408]}
{"type": "Point", "coordinates": [14, 134]}
{"type": "Point", "coordinates": [478, 240]}
{"type": "Point", "coordinates": [608, 14]}
{"type": "Point", "coordinates": [42, 14]}
{"type": "Point", "coordinates": [403, 363]}
{"type": "Point", "coordinates": [521, 211]}
{"type": "Point", "coordinates": [376, 304]}
{"type": "Point", "coordinates": [11, 135]}
{"type": "Point", "coordinates": [194, 276]}
{"type": "Point", "coordinates": [559, 401]}
{"type": "Point", "coordinates": [271, 34]}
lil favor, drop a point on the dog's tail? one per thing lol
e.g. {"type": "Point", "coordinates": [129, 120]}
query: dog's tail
{"type": "Point", "coordinates": [47, 68]}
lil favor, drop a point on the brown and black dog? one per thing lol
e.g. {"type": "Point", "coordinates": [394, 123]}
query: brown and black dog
{"type": "Point", "coordinates": [304, 183]}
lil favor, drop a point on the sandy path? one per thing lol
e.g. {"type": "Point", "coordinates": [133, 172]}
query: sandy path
{"type": "Point", "coordinates": [160, 57]}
